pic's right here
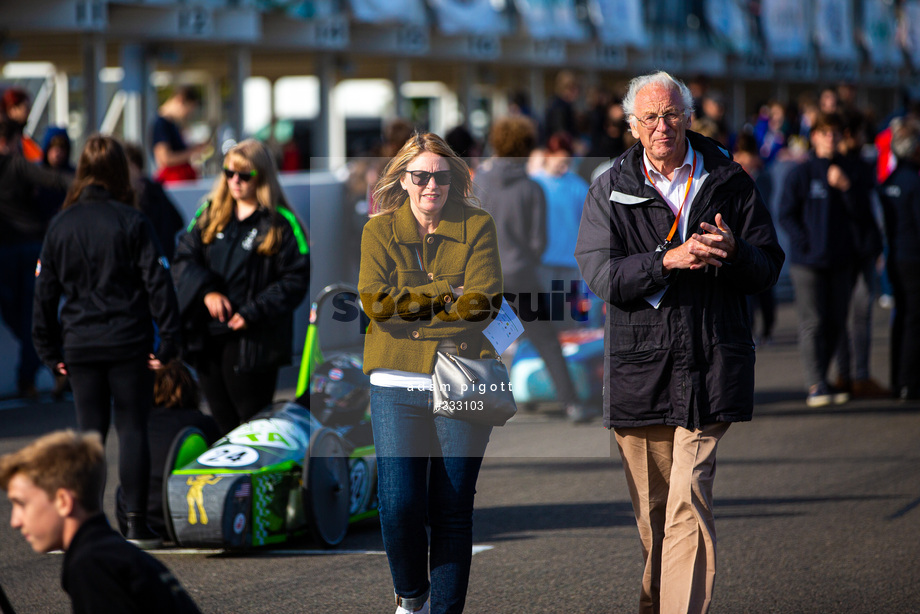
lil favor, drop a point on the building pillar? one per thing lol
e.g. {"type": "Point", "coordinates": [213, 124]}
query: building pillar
{"type": "Point", "coordinates": [537, 94]}
{"type": "Point", "coordinates": [239, 70]}
{"type": "Point", "coordinates": [739, 105]}
{"type": "Point", "coordinates": [61, 99]}
{"type": "Point", "coordinates": [468, 78]}
{"type": "Point", "coordinates": [402, 73]}
{"type": "Point", "coordinates": [134, 84]}
{"type": "Point", "coordinates": [329, 135]}
{"type": "Point", "coordinates": [94, 101]}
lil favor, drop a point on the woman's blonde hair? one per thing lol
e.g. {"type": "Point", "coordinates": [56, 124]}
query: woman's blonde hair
{"type": "Point", "coordinates": [389, 194]}
{"type": "Point", "coordinates": [249, 155]}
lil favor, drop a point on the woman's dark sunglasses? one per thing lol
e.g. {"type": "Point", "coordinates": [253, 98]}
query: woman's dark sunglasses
{"type": "Point", "coordinates": [421, 178]}
{"type": "Point", "coordinates": [244, 176]}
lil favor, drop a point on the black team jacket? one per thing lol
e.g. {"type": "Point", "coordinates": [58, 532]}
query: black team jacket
{"type": "Point", "coordinates": [103, 257]}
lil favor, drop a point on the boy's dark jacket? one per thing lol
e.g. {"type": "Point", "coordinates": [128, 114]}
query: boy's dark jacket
{"type": "Point", "coordinates": [691, 361]}
{"type": "Point", "coordinates": [276, 286]}
{"type": "Point", "coordinates": [104, 258]}
{"type": "Point", "coordinates": [103, 573]}
{"type": "Point", "coordinates": [827, 227]}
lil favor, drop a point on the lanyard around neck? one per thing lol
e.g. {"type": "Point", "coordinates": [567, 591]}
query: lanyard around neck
{"type": "Point", "coordinates": [686, 194]}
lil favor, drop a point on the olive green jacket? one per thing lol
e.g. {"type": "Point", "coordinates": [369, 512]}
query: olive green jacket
{"type": "Point", "coordinates": [410, 304]}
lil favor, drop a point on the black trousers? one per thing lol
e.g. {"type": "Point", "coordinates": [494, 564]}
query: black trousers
{"type": "Point", "coordinates": [905, 328]}
{"type": "Point", "coordinates": [232, 397]}
{"type": "Point", "coordinates": [130, 384]}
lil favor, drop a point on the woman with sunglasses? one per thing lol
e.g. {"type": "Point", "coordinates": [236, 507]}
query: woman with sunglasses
{"type": "Point", "coordinates": [429, 278]}
{"type": "Point", "coordinates": [241, 269]}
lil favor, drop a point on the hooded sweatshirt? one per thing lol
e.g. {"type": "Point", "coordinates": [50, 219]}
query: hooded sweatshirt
{"type": "Point", "coordinates": [518, 206]}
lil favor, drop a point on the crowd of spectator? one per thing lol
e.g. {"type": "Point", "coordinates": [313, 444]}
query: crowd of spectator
{"type": "Point", "coordinates": [579, 132]}
{"type": "Point", "coordinates": [582, 130]}
{"type": "Point", "coordinates": [842, 185]}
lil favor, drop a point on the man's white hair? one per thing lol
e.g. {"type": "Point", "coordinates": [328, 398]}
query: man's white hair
{"type": "Point", "coordinates": [659, 78]}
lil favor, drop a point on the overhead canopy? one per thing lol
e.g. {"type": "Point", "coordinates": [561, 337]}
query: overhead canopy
{"type": "Point", "coordinates": [389, 11]}
{"type": "Point", "coordinates": [468, 17]}
{"type": "Point", "coordinates": [730, 25]}
{"type": "Point", "coordinates": [786, 27]}
{"type": "Point", "coordinates": [834, 30]}
{"type": "Point", "coordinates": [911, 31]}
{"type": "Point", "coordinates": [551, 19]}
{"type": "Point", "coordinates": [879, 28]}
{"type": "Point", "coordinates": [619, 22]}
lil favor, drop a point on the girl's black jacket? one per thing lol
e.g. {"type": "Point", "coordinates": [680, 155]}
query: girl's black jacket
{"type": "Point", "coordinates": [275, 286]}
{"type": "Point", "coordinates": [103, 257]}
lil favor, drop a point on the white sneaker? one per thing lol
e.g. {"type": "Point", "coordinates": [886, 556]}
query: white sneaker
{"type": "Point", "coordinates": [401, 610]}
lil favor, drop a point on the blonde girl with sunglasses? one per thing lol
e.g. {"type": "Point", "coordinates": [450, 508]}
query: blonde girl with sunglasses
{"type": "Point", "coordinates": [241, 269]}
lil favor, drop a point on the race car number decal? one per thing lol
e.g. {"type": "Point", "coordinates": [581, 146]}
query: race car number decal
{"type": "Point", "coordinates": [229, 456]}
{"type": "Point", "coordinates": [270, 433]}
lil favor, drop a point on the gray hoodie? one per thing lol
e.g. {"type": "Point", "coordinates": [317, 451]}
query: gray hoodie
{"type": "Point", "coordinates": [518, 206]}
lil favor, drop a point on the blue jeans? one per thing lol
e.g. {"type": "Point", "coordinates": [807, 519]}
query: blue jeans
{"type": "Point", "coordinates": [17, 291]}
{"type": "Point", "coordinates": [427, 469]}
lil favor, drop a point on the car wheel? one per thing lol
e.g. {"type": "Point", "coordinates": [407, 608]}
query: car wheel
{"type": "Point", "coordinates": [326, 488]}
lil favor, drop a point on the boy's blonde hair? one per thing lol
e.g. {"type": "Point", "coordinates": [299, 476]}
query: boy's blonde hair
{"type": "Point", "coordinates": [63, 459]}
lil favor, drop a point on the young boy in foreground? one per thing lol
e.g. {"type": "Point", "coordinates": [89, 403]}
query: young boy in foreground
{"type": "Point", "coordinates": [55, 486]}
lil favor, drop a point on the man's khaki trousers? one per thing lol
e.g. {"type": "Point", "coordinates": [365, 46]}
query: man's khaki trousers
{"type": "Point", "coordinates": [670, 472]}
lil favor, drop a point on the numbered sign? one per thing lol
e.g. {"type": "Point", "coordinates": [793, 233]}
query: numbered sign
{"type": "Point", "coordinates": [229, 455]}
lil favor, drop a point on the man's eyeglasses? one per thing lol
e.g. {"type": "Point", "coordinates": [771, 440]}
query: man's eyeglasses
{"type": "Point", "coordinates": [244, 176]}
{"type": "Point", "coordinates": [421, 178]}
{"type": "Point", "coordinates": [650, 121]}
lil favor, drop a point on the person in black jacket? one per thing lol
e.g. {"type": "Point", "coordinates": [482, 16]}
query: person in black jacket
{"type": "Point", "coordinates": [55, 486]}
{"type": "Point", "coordinates": [101, 255]}
{"type": "Point", "coordinates": [241, 270]}
{"type": "Point", "coordinates": [900, 196]}
{"type": "Point", "coordinates": [675, 237]}
{"type": "Point", "coordinates": [817, 211]}
{"type": "Point", "coordinates": [154, 202]}
{"type": "Point", "coordinates": [22, 226]}
{"type": "Point", "coordinates": [854, 349]}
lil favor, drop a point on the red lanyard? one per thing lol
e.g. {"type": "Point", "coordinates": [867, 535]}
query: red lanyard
{"type": "Point", "coordinates": [686, 194]}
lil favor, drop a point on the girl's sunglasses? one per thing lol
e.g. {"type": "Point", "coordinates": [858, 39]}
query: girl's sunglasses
{"type": "Point", "coordinates": [421, 178]}
{"type": "Point", "coordinates": [243, 176]}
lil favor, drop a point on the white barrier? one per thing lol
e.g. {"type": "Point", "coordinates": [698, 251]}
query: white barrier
{"type": "Point", "coordinates": [317, 199]}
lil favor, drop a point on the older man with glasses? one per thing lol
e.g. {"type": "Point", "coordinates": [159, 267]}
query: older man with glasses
{"type": "Point", "coordinates": [674, 237]}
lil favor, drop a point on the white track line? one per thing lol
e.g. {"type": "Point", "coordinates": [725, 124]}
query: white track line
{"type": "Point", "coordinates": [259, 551]}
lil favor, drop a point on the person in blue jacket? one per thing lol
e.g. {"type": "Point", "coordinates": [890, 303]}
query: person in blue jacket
{"type": "Point", "coordinates": [565, 197]}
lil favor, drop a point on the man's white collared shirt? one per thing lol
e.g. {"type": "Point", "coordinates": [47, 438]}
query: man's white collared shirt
{"type": "Point", "coordinates": [673, 193]}
{"type": "Point", "coordinates": [673, 190]}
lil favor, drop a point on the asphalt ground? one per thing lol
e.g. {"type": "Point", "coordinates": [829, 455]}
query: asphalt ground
{"type": "Point", "coordinates": [817, 510]}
